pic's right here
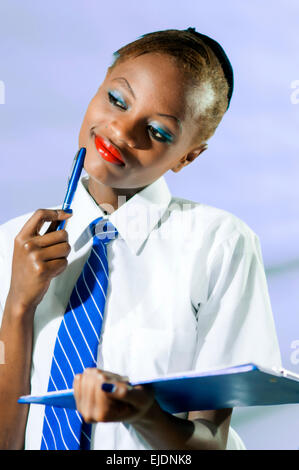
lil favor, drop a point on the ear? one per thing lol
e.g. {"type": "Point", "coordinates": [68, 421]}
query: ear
{"type": "Point", "coordinates": [189, 157]}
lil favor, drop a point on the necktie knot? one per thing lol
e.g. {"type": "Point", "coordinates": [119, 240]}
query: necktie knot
{"type": "Point", "coordinates": [103, 230]}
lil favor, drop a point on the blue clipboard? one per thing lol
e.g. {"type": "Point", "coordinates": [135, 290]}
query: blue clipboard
{"type": "Point", "coordinates": [244, 385]}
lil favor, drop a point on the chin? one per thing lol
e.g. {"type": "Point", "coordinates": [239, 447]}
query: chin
{"type": "Point", "coordinates": [100, 174]}
{"type": "Point", "coordinates": [96, 170]}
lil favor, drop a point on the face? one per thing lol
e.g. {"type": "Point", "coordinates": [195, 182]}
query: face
{"type": "Point", "coordinates": [139, 124]}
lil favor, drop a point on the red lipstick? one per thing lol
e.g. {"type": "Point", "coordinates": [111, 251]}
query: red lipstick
{"type": "Point", "coordinates": [108, 151]}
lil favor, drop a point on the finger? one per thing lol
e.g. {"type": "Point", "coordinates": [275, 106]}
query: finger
{"type": "Point", "coordinates": [112, 375]}
{"type": "Point", "coordinates": [36, 221]}
{"type": "Point", "coordinates": [55, 267]}
{"type": "Point", "coordinates": [49, 239]}
{"type": "Point", "coordinates": [60, 250]}
{"type": "Point", "coordinates": [135, 396]}
{"type": "Point", "coordinates": [55, 223]}
{"type": "Point", "coordinates": [77, 389]}
{"type": "Point", "coordinates": [88, 390]}
{"type": "Point", "coordinates": [52, 227]}
{"type": "Point", "coordinates": [95, 405]}
{"type": "Point", "coordinates": [111, 409]}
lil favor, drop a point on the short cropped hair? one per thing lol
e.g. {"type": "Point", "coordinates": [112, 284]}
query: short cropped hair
{"type": "Point", "coordinates": [200, 62]}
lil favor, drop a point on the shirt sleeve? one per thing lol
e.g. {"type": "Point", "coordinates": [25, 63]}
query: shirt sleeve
{"type": "Point", "coordinates": [236, 324]}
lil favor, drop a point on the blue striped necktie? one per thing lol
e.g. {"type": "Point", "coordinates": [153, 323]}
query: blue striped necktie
{"type": "Point", "coordinates": [77, 343]}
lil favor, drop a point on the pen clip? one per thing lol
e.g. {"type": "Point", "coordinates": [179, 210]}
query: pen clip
{"type": "Point", "coordinates": [73, 165]}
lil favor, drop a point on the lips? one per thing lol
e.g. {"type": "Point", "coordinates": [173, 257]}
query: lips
{"type": "Point", "coordinates": [108, 151]}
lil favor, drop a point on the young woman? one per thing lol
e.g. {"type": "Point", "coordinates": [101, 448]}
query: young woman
{"type": "Point", "coordinates": [187, 288]}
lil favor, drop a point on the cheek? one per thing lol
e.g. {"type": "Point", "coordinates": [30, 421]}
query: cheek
{"type": "Point", "coordinates": [96, 111]}
{"type": "Point", "coordinates": [90, 121]}
{"type": "Point", "coordinates": [84, 130]}
{"type": "Point", "coordinates": [81, 136]}
{"type": "Point", "coordinates": [160, 161]}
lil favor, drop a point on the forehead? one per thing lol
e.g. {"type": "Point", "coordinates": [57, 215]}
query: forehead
{"type": "Point", "coordinates": [157, 79]}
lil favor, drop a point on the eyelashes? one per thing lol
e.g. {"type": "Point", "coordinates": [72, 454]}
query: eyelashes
{"type": "Point", "coordinates": [157, 133]}
{"type": "Point", "coordinates": [116, 99]}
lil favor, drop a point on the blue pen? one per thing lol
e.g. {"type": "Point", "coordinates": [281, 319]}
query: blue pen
{"type": "Point", "coordinates": [76, 170]}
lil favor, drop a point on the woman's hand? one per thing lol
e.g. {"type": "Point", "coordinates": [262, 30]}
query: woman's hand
{"type": "Point", "coordinates": [37, 258]}
{"type": "Point", "coordinates": [126, 403]}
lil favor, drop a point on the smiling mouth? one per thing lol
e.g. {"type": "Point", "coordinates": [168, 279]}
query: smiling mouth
{"type": "Point", "coordinates": [108, 151]}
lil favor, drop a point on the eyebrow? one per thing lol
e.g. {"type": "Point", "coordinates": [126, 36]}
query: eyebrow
{"type": "Point", "coordinates": [173, 117]}
{"type": "Point", "coordinates": [123, 79]}
{"type": "Point", "coordinates": [126, 83]}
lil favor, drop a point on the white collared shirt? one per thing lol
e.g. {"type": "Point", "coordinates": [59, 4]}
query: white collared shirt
{"type": "Point", "coordinates": [187, 291]}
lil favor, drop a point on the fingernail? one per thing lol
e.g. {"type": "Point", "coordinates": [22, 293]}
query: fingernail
{"type": "Point", "coordinates": [110, 388]}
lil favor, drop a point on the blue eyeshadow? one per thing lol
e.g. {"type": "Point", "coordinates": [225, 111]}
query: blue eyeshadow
{"type": "Point", "coordinates": [117, 96]}
{"type": "Point", "coordinates": [161, 131]}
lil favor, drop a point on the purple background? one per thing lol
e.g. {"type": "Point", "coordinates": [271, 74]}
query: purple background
{"type": "Point", "coordinates": [53, 57]}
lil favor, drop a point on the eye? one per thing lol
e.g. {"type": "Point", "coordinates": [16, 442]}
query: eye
{"type": "Point", "coordinates": [116, 99]}
{"type": "Point", "coordinates": [160, 135]}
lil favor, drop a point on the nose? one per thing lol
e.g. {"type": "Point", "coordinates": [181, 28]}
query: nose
{"type": "Point", "coordinates": [123, 132]}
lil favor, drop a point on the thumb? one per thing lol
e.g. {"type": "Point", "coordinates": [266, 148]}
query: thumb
{"type": "Point", "coordinates": [136, 395]}
{"type": "Point", "coordinates": [61, 215]}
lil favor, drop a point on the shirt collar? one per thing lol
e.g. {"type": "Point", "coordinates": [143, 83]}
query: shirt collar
{"type": "Point", "coordinates": [134, 220]}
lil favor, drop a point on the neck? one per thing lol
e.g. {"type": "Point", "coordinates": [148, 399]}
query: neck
{"type": "Point", "coordinates": [108, 198]}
